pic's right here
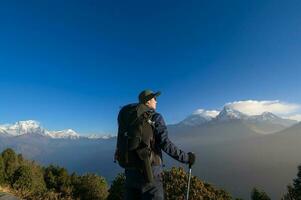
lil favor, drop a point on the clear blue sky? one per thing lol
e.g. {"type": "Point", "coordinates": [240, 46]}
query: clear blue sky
{"type": "Point", "coordinates": [71, 64]}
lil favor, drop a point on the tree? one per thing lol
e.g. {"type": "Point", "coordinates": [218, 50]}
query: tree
{"type": "Point", "coordinates": [297, 183]}
{"type": "Point", "coordinates": [91, 186]}
{"type": "Point", "coordinates": [294, 191]}
{"type": "Point", "coordinates": [10, 161]}
{"type": "Point", "coordinates": [2, 170]}
{"type": "Point", "coordinates": [116, 191]}
{"type": "Point", "coordinates": [175, 187]}
{"type": "Point", "coordinates": [259, 195]}
{"type": "Point", "coordinates": [28, 180]}
{"type": "Point", "coordinates": [58, 179]}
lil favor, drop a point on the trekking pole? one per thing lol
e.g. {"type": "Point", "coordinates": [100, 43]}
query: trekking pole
{"type": "Point", "coordinates": [188, 185]}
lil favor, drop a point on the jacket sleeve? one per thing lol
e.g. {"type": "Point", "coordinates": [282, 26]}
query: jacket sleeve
{"type": "Point", "coordinates": [161, 137]}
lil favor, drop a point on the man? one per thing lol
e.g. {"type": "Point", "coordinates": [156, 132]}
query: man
{"type": "Point", "coordinates": [135, 185]}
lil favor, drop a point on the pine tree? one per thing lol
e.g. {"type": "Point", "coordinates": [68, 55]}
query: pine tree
{"type": "Point", "coordinates": [10, 161]}
{"type": "Point", "coordinates": [58, 179]}
{"type": "Point", "coordinates": [2, 170]}
{"type": "Point", "coordinates": [294, 191]}
{"type": "Point", "coordinates": [297, 183]}
{"type": "Point", "coordinates": [259, 195]}
{"type": "Point", "coordinates": [116, 191]}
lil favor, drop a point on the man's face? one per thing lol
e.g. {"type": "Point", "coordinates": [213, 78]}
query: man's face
{"type": "Point", "coordinates": [152, 103]}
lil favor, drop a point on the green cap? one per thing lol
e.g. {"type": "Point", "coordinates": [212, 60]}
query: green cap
{"type": "Point", "coordinates": [146, 95]}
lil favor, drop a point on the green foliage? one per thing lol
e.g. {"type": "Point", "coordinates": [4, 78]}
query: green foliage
{"type": "Point", "coordinates": [198, 189]}
{"type": "Point", "coordinates": [259, 195]}
{"type": "Point", "coordinates": [297, 183]}
{"type": "Point", "coordinates": [294, 192]}
{"type": "Point", "coordinates": [29, 178]}
{"type": "Point", "coordinates": [91, 186]}
{"type": "Point", "coordinates": [11, 163]}
{"type": "Point", "coordinates": [57, 179]}
{"type": "Point", "coordinates": [31, 182]}
{"type": "Point", "coordinates": [175, 187]}
{"type": "Point", "coordinates": [2, 172]}
{"type": "Point", "coordinates": [116, 191]}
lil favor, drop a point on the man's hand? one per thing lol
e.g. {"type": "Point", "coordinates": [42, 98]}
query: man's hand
{"type": "Point", "coordinates": [191, 158]}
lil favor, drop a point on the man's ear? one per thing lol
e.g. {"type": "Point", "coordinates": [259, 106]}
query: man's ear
{"type": "Point", "coordinates": [147, 103]}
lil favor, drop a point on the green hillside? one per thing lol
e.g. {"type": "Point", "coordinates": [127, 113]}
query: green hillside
{"type": "Point", "coordinates": [28, 180]}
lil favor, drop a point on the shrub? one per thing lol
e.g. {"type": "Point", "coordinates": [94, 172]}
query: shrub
{"type": "Point", "coordinates": [28, 181]}
{"type": "Point", "coordinates": [116, 191]}
{"type": "Point", "coordinates": [57, 179]}
{"type": "Point", "coordinates": [175, 187]}
{"type": "Point", "coordinates": [91, 186]}
{"type": "Point", "coordinates": [259, 195]}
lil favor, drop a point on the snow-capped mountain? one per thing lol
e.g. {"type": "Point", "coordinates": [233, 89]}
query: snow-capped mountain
{"type": "Point", "coordinates": [230, 114]}
{"type": "Point", "coordinates": [34, 128]}
{"type": "Point", "coordinates": [69, 133]}
{"type": "Point", "coordinates": [95, 136]}
{"type": "Point", "coordinates": [271, 118]}
{"type": "Point", "coordinates": [199, 117]}
{"type": "Point", "coordinates": [21, 128]}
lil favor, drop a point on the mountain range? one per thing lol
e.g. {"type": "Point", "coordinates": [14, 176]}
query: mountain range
{"type": "Point", "coordinates": [34, 127]}
{"type": "Point", "coordinates": [234, 151]}
{"type": "Point", "coordinates": [265, 123]}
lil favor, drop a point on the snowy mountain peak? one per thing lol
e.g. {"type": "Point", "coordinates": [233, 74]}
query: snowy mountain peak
{"type": "Point", "coordinates": [22, 127]}
{"type": "Point", "coordinates": [206, 113]}
{"type": "Point", "coordinates": [199, 117]}
{"type": "Point", "coordinates": [96, 136]}
{"type": "Point", "coordinates": [229, 113]}
{"type": "Point", "coordinates": [269, 115]}
{"type": "Point", "coordinates": [31, 127]}
{"type": "Point", "coordinates": [68, 133]}
{"type": "Point", "coordinates": [34, 127]}
{"type": "Point", "coordinates": [265, 116]}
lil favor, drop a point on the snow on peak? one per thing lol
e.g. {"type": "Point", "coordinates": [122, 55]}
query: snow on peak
{"type": "Point", "coordinates": [268, 115]}
{"type": "Point", "coordinates": [34, 127]}
{"type": "Point", "coordinates": [199, 117]}
{"type": "Point", "coordinates": [206, 113]}
{"type": "Point", "coordinates": [22, 127]}
{"type": "Point", "coordinates": [229, 113]}
{"type": "Point", "coordinates": [96, 136]}
{"type": "Point", "coordinates": [265, 116]}
{"type": "Point", "coordinates": [63, 134]}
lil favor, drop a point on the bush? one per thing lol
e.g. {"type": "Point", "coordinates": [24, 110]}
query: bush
{"type": "Point", "coordinates": [259, 195]}
{"type": "Point", "coordinates": [28, 181]}
{"type": "Point", "coordinates": [116, 191]}
{"type": "Point", "coordinates": [57, 179]}
{"type": "Point", "coordinates": [2, 171]}
{"type": "Point", "coordinates": [294, 191]}
{"type": "Point", "coordinates": [91, 186]}
{"type": "Point", "coordinates": [11, 163]}
{"type": "Point", "coordinates": [175, 187]}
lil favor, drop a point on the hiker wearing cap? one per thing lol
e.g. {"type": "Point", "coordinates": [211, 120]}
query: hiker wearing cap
{"type": "Point", "coordinates": [143, 140]}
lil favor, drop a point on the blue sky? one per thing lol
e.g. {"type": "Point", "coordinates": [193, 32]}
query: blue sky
{"type": "Point", "coordinates": [72, 64]}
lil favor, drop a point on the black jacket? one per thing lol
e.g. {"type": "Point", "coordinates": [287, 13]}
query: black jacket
{"type": "Point", "coordinates": [162, 141]}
